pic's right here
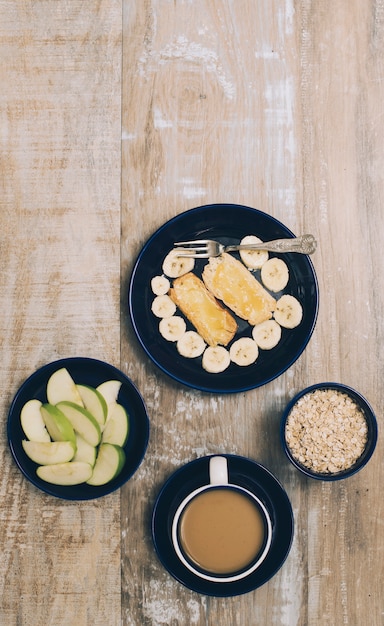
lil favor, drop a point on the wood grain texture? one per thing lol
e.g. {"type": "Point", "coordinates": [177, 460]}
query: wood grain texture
{"type": "Point", "coordinates": [59, 275]}
{"type": "Point", "coordinates": [116, 116]}
{"type": "Point", "coordinates": [275, 105]}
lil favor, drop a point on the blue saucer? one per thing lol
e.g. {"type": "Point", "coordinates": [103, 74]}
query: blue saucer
{"type": "Point", "coordinates": [246, 473]}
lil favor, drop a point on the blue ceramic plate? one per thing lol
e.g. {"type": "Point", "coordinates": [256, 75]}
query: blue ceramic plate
{"type": "Point", "coordinates": [247, 474]}
{"type": "Point", "coordinates": [228, 223]}
{"type": "Point", "coordinates": [89, 372]}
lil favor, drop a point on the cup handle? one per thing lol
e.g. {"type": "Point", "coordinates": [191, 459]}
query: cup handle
{"type": "Point", "coordinates": [218, 470]}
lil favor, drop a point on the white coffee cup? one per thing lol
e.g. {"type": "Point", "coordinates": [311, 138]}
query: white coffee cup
{"type": "Point", "coordinates": [221, 524]}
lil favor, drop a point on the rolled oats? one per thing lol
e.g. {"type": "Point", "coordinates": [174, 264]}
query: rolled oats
{"type": "Point", "coordinates": [326, 431]}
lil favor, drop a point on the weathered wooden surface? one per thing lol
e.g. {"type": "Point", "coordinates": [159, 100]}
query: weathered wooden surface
{"type": "Point", "coordinates": [276, 105]}
{"type": "Point", "coordinates": [59, 276]}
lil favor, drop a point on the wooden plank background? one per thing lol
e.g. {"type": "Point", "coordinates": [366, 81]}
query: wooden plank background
{"type": "Point", "coordinates": [115, 117]}
{"type": "Point", "coordinates": [60, 278]}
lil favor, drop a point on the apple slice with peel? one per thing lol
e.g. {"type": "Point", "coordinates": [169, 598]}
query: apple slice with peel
{"type": "Point", "coordinates": [48, 453]}
{"type": "Point", "coordinates": [110, 390]}
{"type": "Point", "coordinates": [94, 402]}
{"type": "Point", "coordinates": [57, 424]}
{"type": "Point", "coordinates": [84, 452]}
{"type": "Point", "coordinates": [32, 421]}
{"type": "Point", "coordinates": [71, 473]}
{"type": "Point", "coordinates": [117, 425]}
{"type": "Point", "coordinates": [109, 463]}
{"type": "Point", "coordinates": [61, 386]}
{"type": "Point", "coordinates": [82, 421]}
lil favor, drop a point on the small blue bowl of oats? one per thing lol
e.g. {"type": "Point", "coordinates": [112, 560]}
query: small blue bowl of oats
{"type": "Point", "coordinates": [329, 431]}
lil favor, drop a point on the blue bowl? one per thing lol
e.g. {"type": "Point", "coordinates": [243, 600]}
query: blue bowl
{"type": "Point", "coordinates": [89, 372]}
{"type": "Point", "coordinates": [372, 432]}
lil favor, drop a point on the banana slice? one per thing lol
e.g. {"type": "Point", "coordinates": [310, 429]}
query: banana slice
{"type": "Point", "coordinates": [163, 306]}
{"type": "Point", "coordinates": [288, 312]}
{"type": "Point", "coordinates": [191, 344]}
{"type": "Point", "coordinates": [160, 285]}
{"type": "Point", "coordinates": [244, 351]}
{"type": "Point", "coordinates": [216, 359]}
{"type": "Point", "coordinates": [174, 266]}
{"type": "Point", "coordinates": [172, 328]}
{"type": "Point", "coordinates": [253, 259]}
{"type": "Point", "coordinates": [275, 274]}
{"type": "Point", "coordinates": [267, 334]}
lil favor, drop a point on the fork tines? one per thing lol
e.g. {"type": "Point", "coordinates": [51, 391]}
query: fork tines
{"type": "Point", "coordinates": [192, 243]}
{"type": "Point", "coordinates": [196, 249]}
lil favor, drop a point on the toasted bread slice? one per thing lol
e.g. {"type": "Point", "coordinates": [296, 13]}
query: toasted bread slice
{"type": "Point", "coordinates": [212, 321]}
{"type": "Point", "coordinates": [230, 281]}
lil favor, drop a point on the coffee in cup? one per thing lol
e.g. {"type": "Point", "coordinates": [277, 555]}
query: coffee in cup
{"type": "Point", "coordinates": [221, 531]}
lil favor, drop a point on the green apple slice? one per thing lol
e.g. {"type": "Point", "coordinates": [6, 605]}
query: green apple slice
{"type": "Point", "coordinates": [61, 386]}
{"type": "Point", "coordinates": [32, 421]}
{"type": "Point", "coordinates": [94, 402]}
{"type": "Point", "coordinates": [109, 463]}
{"type": "Point", "coordinates": [48, 453]}
{"type": "Point", "coordinates": [82, 421]}
{"type": "Point", "coordinates": [71, 473]}
{"type": "Point", "coordinates": [110, 390]}
{"type": "Point", "coordinates": [85, 452]}
{"type": "Point", "coordinates": [57, 424]}
{"type": "Point", "coordinates": [117, 425]}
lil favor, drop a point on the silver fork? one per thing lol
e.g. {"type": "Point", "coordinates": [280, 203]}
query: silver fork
{"type": "Point", "coordinates": [205, 248]}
